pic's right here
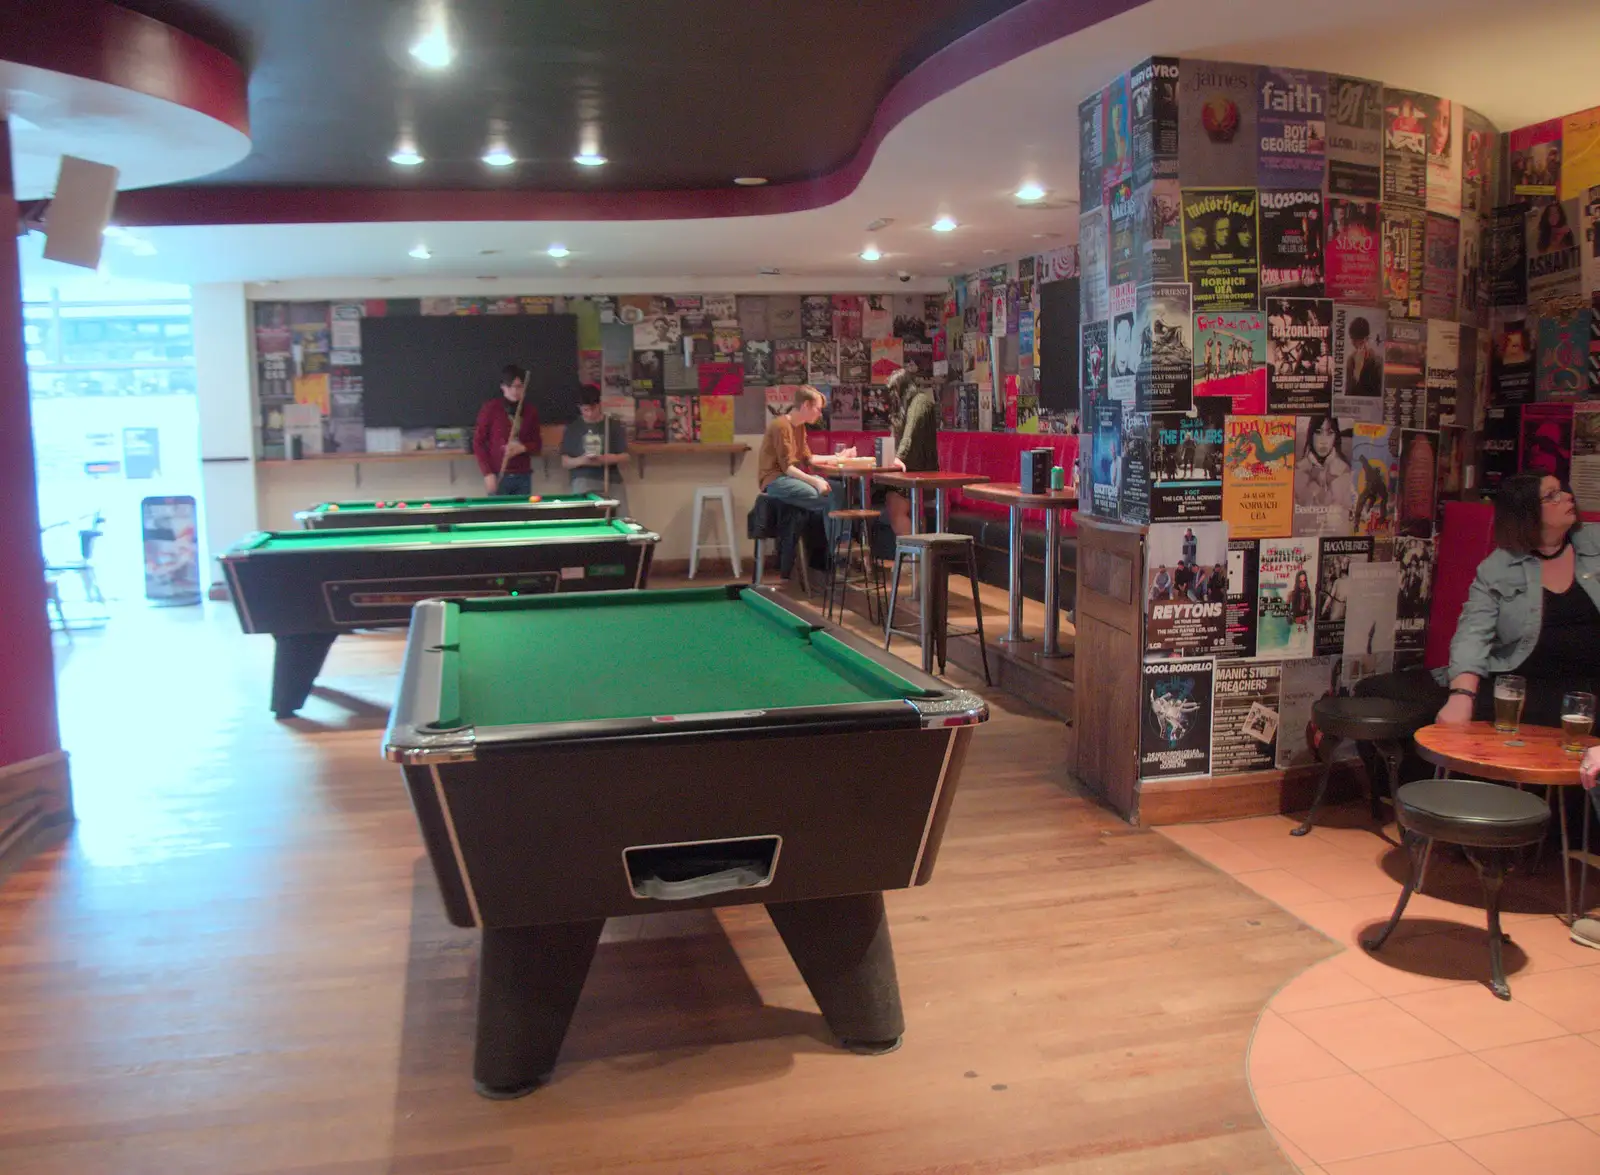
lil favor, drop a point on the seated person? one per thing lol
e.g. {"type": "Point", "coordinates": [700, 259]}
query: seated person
{"type": "Point", "coordinates": [593, 447]}
{"type": "Point", "coordinates": [916, 443]}
{"type": "Point", "coordinates": [1587, 930]}
{"type": "Point", "coordinates": [1534, 607]}
{"type": "Point", "coordinates": [786, 456]}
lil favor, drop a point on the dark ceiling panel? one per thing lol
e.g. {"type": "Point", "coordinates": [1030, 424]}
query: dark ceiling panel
{"type": "Point", "coordinates": [686, 93]}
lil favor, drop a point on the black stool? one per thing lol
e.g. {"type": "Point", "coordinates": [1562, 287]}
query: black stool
{"type": "Point", "coordinates": [854, 535]}
{"type": "Point", "coordinates": [1488, 821]}
{"type": "Point", "coordinates": [1387, 724]}
{"type": "Point", "coordinates": [933, 554]}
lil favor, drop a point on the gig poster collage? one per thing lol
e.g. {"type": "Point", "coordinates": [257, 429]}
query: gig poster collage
{"type": "Point", "coordinates": [1327, 307]}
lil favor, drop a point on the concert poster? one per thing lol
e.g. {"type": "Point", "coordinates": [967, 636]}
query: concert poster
{"type": "Point", "coordinates": [855, 361]}
{"type": "Point", "coordinates": [1442, 374]}
{"type": "Point", "coordinates": [1303, 683]}
{"type": "Point", "coordinates": [1093, 362]}
{"type": "Point", "coordinates": [1407, 118]}
{"type": "Point", "coordinates": [1512, 357]}
{"type": "Point", "coordinates": [1440, 255]}
{"type": "Point", "coordinates": [1555, 265]}
{"type": "Point", "coordinates": [1589, 207]}
{"type": "Point", "coordinates": [816, 317]}
{"type": "Point", "coordinates": [1355, 251]}
{"type": "Point", "coordinates": [1159, 236]}
{"type": "Point", "coordinates": [1091, 127]}
{"type": "Point", "coordinates": [1186, 590]}
{"type": "Point", "coordinates": [1580, 153]}
{"type": "Point", "coordinates": [1451, 472]}
{"type": "Point", "coordinates": [1534, 158]}
{"type": "Point", "coordinates": [1175, 727]}
{"type": "Point", "coordinates": [1291, 128]}
{"type": "Point", "coordinates": [1135, 488]}
{"type": "Point", "coordinates": [1444, 159]}
{"type": "Point", "coordinates": [1285, 598]}
{"type": "Point", "coordinates": [1123, 207]}
{"type": "Point", "coordinates": [822, 362]}
{"type": "Point", "coordinates": [1220, 240]}
{"type": "Point", "coordinates": [1477, 162]}
{"type": "Point", "coordinates": [1186, 465]}
{"type": "Point", "coordinates": [1299, 355]}
{"type": "Point", "coordinates": [1292, 240]}
{"type": "Point", "coordinates": [1355, 137]}
{"type": "Point", "coordinates": [846, 316]}
{"type": "Point", "coordinates": [1546, 443]}
{"type": "Point", "coordinates": [1372, 614]}
{"type": "Point", "coordinates": [1415, 559]}
{"type": "Point", "coordinates": [1244, 719]}
{"type": "Point", "coordinates": [1117, 146]}
{"type": "Point", "coordinates": [1258, 476]}
{"type": "Point", "coordinates": [1419, 471]}
{"type": "Point", "coordinates": [1335, 559]}
{"type": "Point", "coordinates": [1239, 640]}
{"type": "Point", "coordinates": [1322, 476]}
{"type": "Point", "coordinates": [1375, 478]}
{"type": "Point", "coordinates": [1505, 261]}
{"type": "Point", "coordinates": [1359, 333]}
{"type": "Point", "coordinates": [1230, 358]}
{"type": "Point", "coordinates": [1217, 123]}
{"type": "Point", "coordinates": [1153, 93]}
{"type": "Point", "coordinates": [1403, 242]}
{"type": "Point", "coordinates": [1105, 460]}
{"type": "Point", "coordinates": [1093, 266]}
{"type": "Point", "coordinates": [1472, 293]}
{"type": "Point", "coordinates": [1165, 377]}
{"type": "Point", "coordinates": [789, 361]}
{"type": "Point", "coordinates": [1125, 346]}
{"type": "Point", "coordinates": [1497, 454]}
{"type": "Point", "coordinates": [1405, 392]}
{"type": "Point", "coordinates": [1585, 466]}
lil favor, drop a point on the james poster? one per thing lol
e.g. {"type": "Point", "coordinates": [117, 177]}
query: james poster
{"type": "Point", "coordinates": [1187, 588]}
{"type": "Point", "coordinates": [1291, 128]}
{"type": "Point", "coordinates": [1285, 600]}
{"type": "Point", "coordinates": [1220, 244]}
{"type": "Point", "coordinates": [1292, 239]}
{"type": "Point", "coordinates": [1230, 358]}
{"type": "Point", "coordinates": [1355, 252]}
{"type": "Point", "coordinates": [1217, 123]}
{"type": "Point", "coordinates": [1244, 720]}
{"type": "Point", "coordinates": [1358, 337]}
{"type": "Point", "coordinates": [1258, 476]}
{"type": "Point", "coordinates": [1175, 730]}
{"type": "Point", "coordinates": [1299, 355]}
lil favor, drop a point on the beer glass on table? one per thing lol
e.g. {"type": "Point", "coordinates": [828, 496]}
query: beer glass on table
{"type": "Point", "coordinates": [1577, 720]}
{"type": "Point", "coordinates": [1510, 691]}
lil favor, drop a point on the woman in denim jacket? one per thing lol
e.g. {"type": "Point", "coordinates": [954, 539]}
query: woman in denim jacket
{"type": "Point", "coordinates": [1534, 607]}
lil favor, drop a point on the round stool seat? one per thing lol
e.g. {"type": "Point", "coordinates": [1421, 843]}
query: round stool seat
{"type": "Point", "coordinates": [1369, 719]}
{"type": "Point", "coordinates": [1472, 813]}
{"type": "Point", "coordinates": [854, 515]}
{"type": "Point", "coordinates": [918, 542]}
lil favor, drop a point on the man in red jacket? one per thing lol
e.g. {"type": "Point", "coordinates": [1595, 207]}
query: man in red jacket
{"type": "Point", "coordinates": [492, 439]}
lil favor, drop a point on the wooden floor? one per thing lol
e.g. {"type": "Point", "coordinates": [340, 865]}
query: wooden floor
{"type": "Point", "coordinates": [239, 964]}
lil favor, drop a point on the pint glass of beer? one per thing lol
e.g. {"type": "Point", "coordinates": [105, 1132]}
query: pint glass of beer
{"type": "Point", "coordinates": [1577, 719]}
{"type": "Point", "coordinates": [1509, 694]}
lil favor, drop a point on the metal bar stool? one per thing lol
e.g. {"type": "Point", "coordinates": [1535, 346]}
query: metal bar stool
{"type": "Point", "coordinates": [931, 556]}
{"type": "Point", "coordinates": [852, 538]}
{"type": "Point", "coordinates": [1386, 724]}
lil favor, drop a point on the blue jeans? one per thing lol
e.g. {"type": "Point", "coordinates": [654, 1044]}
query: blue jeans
{"type": "Point", "coordinates": [516, 485]}
{"type": "Point", "coordinates": [794, 492]}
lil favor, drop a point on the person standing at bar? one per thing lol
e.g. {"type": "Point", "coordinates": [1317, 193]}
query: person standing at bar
{"type": "Point", "coordinates": [506, 461]}
{"type": "Point", "coordinates": [916, 442]}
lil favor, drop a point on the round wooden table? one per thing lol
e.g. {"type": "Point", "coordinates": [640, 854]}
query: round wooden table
{"type": "Point", "coordinates": [917, 482]}
{"type": "Point", "coordinates": [1052, 502]}
{"type": "Point", "coordinates": [1478, 750]}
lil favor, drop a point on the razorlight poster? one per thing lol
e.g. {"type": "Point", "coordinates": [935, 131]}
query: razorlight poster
{"type": "Point", "coordinates": [1221, 247]}
{"type": "Point", "coordinates": [1444, 159]}
{"type": "Point", "coordinates": [1322, 479]}
{"type": "Point", "coordinates": [1555, 266]}
{"type": "Point", "coordinates": [1405, 392]}
{"type": "Point", "coordinates": [1217, 123]}
{"type": "Point", "coordinates": [1186, 465]}
{"type": "Point", "coordinates": [1175, 729]}
{"type": "Point", "coordinates": [1105, 459]}
{"type": "Point", "coordinates": [1092, 262]}
{"type": "Point", "coordinates": [1244, 557]}
{"type": "Point", "coordinates": [1166, 355]}
{"type": "Point", "coordinates": [1186, 589]}
{"type": "Point", "coordinates": [1375, 462]}
{"type": "Point", "coordinates": [1359, 333]}
{"type": "Point", "coordinates": [1291, 128]}
{"type": "Point", "coordinates": [1354, 258]}
{"type": "Point", "coordinates": [1335, 557]}
{"type": "Point", "coordinates": [1153, 93]}
{"type": "Point", "coordinates": [1285, 601]}
{"type": "Point", "coordinates": [1230, 358]}
{"type": "Point", "coordinates": [1299, 355]}
{"type": "Point", "coordinates": [1440, 254]}
{"type": "Point", "coordinates": [1292, 238]}
{"type": "Point", "coordinates": [1414, 558]}
{"type": "Point", "coordinates": [1534, 157]}
{"type": "Point", "coordinates": [1546, 447]}
{"type": "Point", "coordinates": [1355, 137]}
{"type": "Point", "coordinates": [1403, 239]}
{"type": "Point", "coordinates": [1134, 491]}
{"type": "Point", "coordinates": [1477, 162]}
{"type": "Point", "coordinates": [1442, 375]}
{"type": "Point", "coordinates": [1419, 472]}
{"type": "Point", "coordinates": [1258, 476]}
{"type": "Point", "coordinates": [1406, 118]}
{"type": "Point", "coordinates": [1511, 363]}
{"type": "Point", "coordinates": [1244, 721]}
{"type": "Point", "coordinates": [1091, 139]}
{"type": "Point", "coordinates": [1159, 236]}
{"type": "Point", "coordinates": [1562, 369]}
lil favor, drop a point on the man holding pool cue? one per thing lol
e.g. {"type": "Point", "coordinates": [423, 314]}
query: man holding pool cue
{"type": "Point", "coordinates": [506, 437]}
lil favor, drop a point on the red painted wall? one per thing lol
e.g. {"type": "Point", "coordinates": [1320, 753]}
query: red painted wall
{"type": "Point", "coordinates": [27, 671]}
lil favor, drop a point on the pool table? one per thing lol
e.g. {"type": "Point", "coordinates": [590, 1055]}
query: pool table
{"type": "Point", "coordinates": [307, 586]}
{"type": "Point", "coordinates": [572, 759]}
{"type": "Point", "coordinates": [539, 507]}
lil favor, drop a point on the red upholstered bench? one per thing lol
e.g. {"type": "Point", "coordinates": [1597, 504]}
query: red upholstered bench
{"type": "Point", "coordinates": [1465, 540]}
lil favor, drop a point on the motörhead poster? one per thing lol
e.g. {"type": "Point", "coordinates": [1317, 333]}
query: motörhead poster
{"type": "Point", "coordinates": [1221, 247]}
{"type": "Point", "coordinates": [1186, 588]}
{"type": "Point", "coordinates": [1217, 123]}
{"type": "Point", "coordinates": [1175, 728]}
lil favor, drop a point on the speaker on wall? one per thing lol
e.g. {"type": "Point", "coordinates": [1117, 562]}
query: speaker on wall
{"type": "Point", "coordinates": [76, 223]}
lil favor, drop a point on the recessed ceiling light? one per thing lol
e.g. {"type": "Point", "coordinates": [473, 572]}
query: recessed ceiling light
{"type": "Point", "coordinates": [750, 181]}
{"type": "Point", "coordinates": [558, 251]}
{"type": "Point", "coordinates": [948, 264]}
{"type": "Point", "coordinates": [870, 253]}
{"type": "Point", "coordinates": [589, 159]}
{"type": "Point", "coordinates": [880, 223]}
{"type": "Point", "coordinates": [1030, 191]}
{"type": "Point", "coordinates": [988, 251]}
{"type": "Point", "coordinates": [944, 224]}
{"type": "Point", "coordinates": [433, 48]}
{"type": "Point", "coordinates": [499, 157]}
{"type": "Point", "coordinates": [420, 252]}
{"type": "Point", "coordinates": [406, 157]}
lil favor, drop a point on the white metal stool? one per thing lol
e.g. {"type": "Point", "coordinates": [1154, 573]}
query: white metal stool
{"type": "Point", "coordinates": [703, 496]}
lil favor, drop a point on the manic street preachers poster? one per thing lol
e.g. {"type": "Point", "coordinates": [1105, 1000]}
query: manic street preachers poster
{"type": "Point", "coordinates": [1244, 721]}
{"type": "Point", "coordinates": [1175, 724]}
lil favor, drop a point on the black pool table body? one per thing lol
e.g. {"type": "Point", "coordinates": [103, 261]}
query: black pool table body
{"type": "Point", "coordinates": [436, 511]}
{"type": "Point", "coordinates": [306, 587]}
{"type": "Point", "coordinates": [538, 833]}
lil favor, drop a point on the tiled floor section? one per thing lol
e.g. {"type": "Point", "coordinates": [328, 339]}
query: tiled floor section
{"type": "Point", "coordinates": [1404, 1063]}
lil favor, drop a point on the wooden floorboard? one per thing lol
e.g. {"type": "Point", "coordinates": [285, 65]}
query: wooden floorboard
{"type": "Point", "coordinates": [238, 963]}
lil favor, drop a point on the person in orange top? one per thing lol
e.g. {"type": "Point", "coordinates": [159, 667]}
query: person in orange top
{"type": "Point", "coordinates": [785, 455]}
{"type": "Point", "coordinates": [492, 439]}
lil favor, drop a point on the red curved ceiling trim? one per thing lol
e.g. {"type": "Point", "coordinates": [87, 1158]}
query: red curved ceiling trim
{"type": "Point", "coordinates": [100, 42]}
{"type": "Point", "coordinates": [1017, 32]}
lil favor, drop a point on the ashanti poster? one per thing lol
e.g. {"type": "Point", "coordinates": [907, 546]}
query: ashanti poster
{"type": "Point", "coordinates": [1554, 262]}
{"type": "Point", "coordinates": [1299, 355]}
{"type": "Point", "coordinates": [1220, 244]}
{"type": "Point", "coordinates": [1175, 730]}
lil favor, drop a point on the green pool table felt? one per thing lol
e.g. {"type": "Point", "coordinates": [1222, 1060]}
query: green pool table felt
{"type": "Point", "coordinates": [643, 654]}
{"type": "Point", "coordinates": [466, 532]}
{"type": "Point", "coordinates": [452, 503]}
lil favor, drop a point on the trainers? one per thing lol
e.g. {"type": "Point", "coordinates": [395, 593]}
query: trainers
{"type": "Point", "coordinates": [1587, 932]}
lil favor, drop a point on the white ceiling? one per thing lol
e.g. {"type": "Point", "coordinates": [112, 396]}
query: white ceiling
{"type": "Point", "coordinates": [962, 155]}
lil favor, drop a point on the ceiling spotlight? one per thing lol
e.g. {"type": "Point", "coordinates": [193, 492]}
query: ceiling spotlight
{"type": "Point", "coordinates": [499, 157]}
{"type": "Point", "coordinates": [944, 224]}
{"type": "Point", "coordinates": [589, 159]}
{"type": "Point", "coordinates": [1030, 191]}
{"type": "Point", "coordinates": [870, 253]}
{"type": "Point", "coordinates": [406, 156]}
{"type": "Point", "coordinates": [420, 252]}
{"type": "Point", "coordinates": [750, 181]}
{"type": "Point", "coordinates": [432, 48]}
{"type": "Point", "coordinates": [558, 251]}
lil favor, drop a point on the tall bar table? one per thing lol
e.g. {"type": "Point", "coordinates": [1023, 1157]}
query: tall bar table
{"type": "Point", "coordinates": [1052, 502]}
{"type": "Point", "coordinates": [917, 484]}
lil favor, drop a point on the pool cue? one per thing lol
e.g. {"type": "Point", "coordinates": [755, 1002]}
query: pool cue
{"type": "Point", "coordinates": [516, 427]}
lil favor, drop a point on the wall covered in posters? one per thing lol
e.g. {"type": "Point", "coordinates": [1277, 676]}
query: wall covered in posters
{"type": "Point", "coordinates": [1344, 257]}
